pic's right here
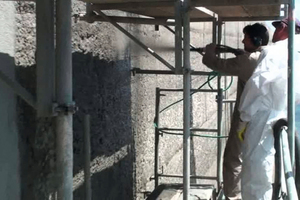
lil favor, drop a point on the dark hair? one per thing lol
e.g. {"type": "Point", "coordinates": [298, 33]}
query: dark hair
{"type": "Point", "coordinates": [258, 34]}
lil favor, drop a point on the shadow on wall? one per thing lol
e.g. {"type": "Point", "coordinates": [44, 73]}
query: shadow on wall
{"type": "Point", "coordinates": [9, 151]}
{"type": "Point", "coordinates": [30, 156]}
{"type": "Point", "coordinates": [101, 89]}
{"type": "Point", "coordinates": [111, 183]}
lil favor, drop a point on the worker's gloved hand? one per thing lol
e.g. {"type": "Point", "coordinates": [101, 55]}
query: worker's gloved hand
{"type": "Point", "coordinates": [210, 54]}
{"type": "Point", "coordinates": [241, 130]}
{"type": "Point", "coordinates": [210, 49]}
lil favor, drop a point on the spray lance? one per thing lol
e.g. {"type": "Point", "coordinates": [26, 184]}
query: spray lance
{"type": "Point", "coordinates": [220, 49]}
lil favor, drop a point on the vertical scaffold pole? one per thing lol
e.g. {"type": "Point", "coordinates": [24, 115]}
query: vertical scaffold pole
{"type": "Point", "coordinates": [214, 31]}
{"type": "Point", "coordinates": [187, 99]}
{"type": "Point", "coordinates": [220, 109]}
{"type": "Point", "coordinates": [178, 36]}
{"type": "Point", "coordinates": [87, 158]}
{"type": "Point", "coordinates": [156, 121]}
{"type": "Point", "coordinates": [64, 120]}
{"type": "Point", "coordinates": [291, 94]}
{"type": "Point", "coordinates": [45, 57]}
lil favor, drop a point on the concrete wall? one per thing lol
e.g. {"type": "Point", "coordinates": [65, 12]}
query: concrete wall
{"type": "Point", "coordinates": [9, 152]}
{"type": "Point", "coordinates": [121, 107]}
{"type": "Point", "coordinates": [101, 89]}
{"type": "Point", "coordinates": [204, 115]}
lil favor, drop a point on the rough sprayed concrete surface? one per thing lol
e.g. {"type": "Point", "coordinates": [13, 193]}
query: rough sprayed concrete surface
{"type": "Point", "coordinates": [37, 139]}
{"type": "Point", "coordinates": [121, 107]}
{"type": "Point", "coordinates": [9, 151]}
{"type": "Point", "coordinates": [203, 153]}
{"type": "Point", "coordinates": [101, 89]}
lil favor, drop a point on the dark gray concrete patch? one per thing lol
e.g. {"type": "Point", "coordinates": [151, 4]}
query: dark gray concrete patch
{"type": "Point", "coordinates": [36, 143]}
{"type": "Point", "coordinates": [102, 89]}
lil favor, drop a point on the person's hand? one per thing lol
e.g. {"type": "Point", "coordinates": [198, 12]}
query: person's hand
{"type": "Point", "coordinates": [210, 49]}
{"type": "Point", "coordinates": [242, 126]}
{"type": "Point", "coordinates": [210, 54]}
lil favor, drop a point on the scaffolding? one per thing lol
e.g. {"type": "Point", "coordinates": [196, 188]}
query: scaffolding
{"type": "Point", "coordinates": [54, 63]}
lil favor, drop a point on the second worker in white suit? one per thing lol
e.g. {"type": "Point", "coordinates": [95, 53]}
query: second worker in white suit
{"type": "Point", "coordinates": [263, 102]}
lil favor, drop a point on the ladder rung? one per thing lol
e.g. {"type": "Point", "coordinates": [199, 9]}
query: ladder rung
{"type": "Point", "coordinates": [192, 129]}
{"type": "Point", "coordinates": [192, 90]}
{"type": "Point", "coordinates": [195, 177]}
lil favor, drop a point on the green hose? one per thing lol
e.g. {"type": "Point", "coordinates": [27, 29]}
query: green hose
{"type": "Point", "coordinates": [213, 73]}
{"type": "Point", "coordinates": [210, 77]}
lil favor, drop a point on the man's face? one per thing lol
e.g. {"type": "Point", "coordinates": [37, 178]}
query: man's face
{"type": "Point", "coordinates": [281, 32]}
{"type": "Point", "coordinates": [248, 45]}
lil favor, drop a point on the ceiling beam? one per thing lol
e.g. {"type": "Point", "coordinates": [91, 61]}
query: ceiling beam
{"type": "Point", "coordinates": [237, 2]}
{"type": "Point", "coordinates": [194, 3]}
{"type": "Point", "coordinates": [131, 5]}
{"type": "Point", "coordinates": [240, 19]}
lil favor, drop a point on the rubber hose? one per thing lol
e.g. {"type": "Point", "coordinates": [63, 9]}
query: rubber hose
{"type": "Point", "coordinates": [278, 167]}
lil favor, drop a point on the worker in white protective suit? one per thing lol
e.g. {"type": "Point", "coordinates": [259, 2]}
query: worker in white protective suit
{"type": "Point", "coordinates": [263, 102]}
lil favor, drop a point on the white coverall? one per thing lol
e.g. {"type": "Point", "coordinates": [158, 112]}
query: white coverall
{"type": "Point", "coordinates": [263, 102]}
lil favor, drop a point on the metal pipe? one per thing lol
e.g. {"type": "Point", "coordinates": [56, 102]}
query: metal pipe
{"type": "Point", "coordinates": [229, 100]}
{"type": "Point", "coordinates": [192, 129]}
{"type": "Point", "coordinates": [130, 20]}
{"type": "Point", "coordinates": [167, 72]}
{"type": "Point", "coordinates": [131, 5]}
{"type": "Point", "coordinates": [196, 135]}
{"type": "Point", "coordinates": [18, 89]}
{"type": "Point", "coordinates": [64, 121]}
{"type": "Point", "coordinates": [192, 90]}
{"type": "Point", "coordinates": [178, 48]}
{"type": "Point", "coordinates": [172, 31]}
{"type": "Point", "coordinates": [170, 21]}
{"type": "Point", "coordinates": [163, 61]}
{"type": "Point", "coordinates": [196, 177]}
{"type": "Point", "coordinates": [186, 99]}
{"type": "Point", "coordinates": [262, 18]}
{"type": "Point", "coordinates": [195, 3]}
{"type": "Point", "coordinates": [220, 110]}
{"type": "Point", "coordinates": [286, 10]}
{"type": "Point", "coordinates": [204, 19]}
{"type": "Point", "coordinates": [220, 195]}
{"type": "Point", "coordinates": [220, 146]}
{"type": "Point", "coordinates": [231, 110]}
{"type": "Point", "coordinates": [291, 93]}
{"type": "Point", "coordinates": [178, 36]}
{"type": "Point", "coordinates": [45, 57]}
{"type": "Point", "coordinates": [288, 169]}
{"type": "Point", "coordinates": [214, 31]}
{"type": "Point", "coordinates": [87, 158]}
{"type": "Point", "coordinates": [156, 121]}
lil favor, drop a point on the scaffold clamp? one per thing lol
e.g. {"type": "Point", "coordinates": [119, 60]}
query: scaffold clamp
{"type": "Point", "coordinates": [64, 108]}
